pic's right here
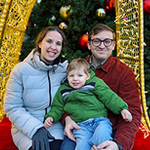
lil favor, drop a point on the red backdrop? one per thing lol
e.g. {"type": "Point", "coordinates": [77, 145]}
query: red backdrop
{"type": "Point", "coordinates": [6, 142]}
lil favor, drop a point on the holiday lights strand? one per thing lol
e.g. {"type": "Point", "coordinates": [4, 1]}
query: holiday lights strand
{"type": "Point", "coordinates": [4, 11]}
{"type": "Point", "coordinates": [15, 15]}
{"type": "Point", "coordinates": [129, 26]}
{"type": "Point", "coordinates": [142, 66]}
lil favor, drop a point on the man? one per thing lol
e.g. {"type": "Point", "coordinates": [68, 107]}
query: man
{"type": "Point", "coordinates": [121, 79]}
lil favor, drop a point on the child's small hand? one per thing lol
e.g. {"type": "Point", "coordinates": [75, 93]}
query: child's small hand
{"type": "Point", "coordinates": [48, 122]}
{"type": "Point", "coordinates": [126, 115]}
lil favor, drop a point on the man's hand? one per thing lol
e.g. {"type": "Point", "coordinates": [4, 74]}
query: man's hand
{"type": "Point", "coordinates": [107, 145]}
{"type": "Point", "coordinates": [69, 126]}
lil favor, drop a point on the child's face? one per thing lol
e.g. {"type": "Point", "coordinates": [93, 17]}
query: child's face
{"type": "Point", "coordinates": [77, 78]}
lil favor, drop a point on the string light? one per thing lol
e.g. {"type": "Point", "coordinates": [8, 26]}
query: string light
{"type": "Point", "coordinates": [128, 21]}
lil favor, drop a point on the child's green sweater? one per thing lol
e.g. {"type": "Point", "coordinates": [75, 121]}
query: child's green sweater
{"type": "Point", "coordinates": [90, 101]}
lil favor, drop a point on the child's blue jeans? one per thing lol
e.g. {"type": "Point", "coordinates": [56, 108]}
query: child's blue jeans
{"type": "Point", "coordinates": [92, 132]}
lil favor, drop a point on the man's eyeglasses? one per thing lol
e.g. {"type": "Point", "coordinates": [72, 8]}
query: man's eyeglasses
{"type": "Point", "coordinates": [97, 42]}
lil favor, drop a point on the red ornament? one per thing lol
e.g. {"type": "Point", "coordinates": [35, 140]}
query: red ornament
{"type": "Point", "coordinates": [146, 5]}
{"type": "Point", "coordinates": [110, 6]}
{"type": "Point", "coordinates": [30, 24]}
{"type": "Point", "coordinates": [27, 25]}
{"type": "Point", "coordinates": [83, 41]}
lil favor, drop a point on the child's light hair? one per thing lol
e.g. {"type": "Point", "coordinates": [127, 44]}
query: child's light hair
{"type": "Point", "coordinates": [77, 64]}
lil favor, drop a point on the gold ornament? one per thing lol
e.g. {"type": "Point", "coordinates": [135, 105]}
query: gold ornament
{"type": "Point", "coordinates": [100, 13]}
{"type": "Point", "coordinates": [65, 12]}
{"type": "Point", "coordinates": [62, 25]}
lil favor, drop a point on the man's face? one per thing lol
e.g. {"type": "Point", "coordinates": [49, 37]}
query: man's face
{"type": "Point", "coordinates": [103, 51]}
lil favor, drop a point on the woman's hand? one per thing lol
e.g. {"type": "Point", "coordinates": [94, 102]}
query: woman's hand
{"type": "Point", "coordinates": [69, 126]}
{"type": "Point", "coordinates": [107, 145]}
{"type": "Point", "coordinates": [40, 139]}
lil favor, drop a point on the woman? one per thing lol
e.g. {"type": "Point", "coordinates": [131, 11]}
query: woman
{"type": "Point", "coordinates": [30, 90]}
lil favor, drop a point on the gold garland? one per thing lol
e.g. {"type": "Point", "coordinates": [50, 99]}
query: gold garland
{"type": "Point", "coordinates": [130, 46]}
{"type": "Point", "coordinates": [13, 21]}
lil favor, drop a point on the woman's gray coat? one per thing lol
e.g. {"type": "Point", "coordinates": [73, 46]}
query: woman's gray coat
{"type": "Point", "coordinates": [29, 94]}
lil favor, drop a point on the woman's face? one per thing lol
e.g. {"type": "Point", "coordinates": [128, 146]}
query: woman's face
{"type": "Point", "coordinates": [51, 46]}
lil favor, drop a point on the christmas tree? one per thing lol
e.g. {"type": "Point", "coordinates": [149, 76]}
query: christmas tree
{"type": "Point", "coordinates": [76, 18]}
{"type": "Point", "coordinates": [78, 15]}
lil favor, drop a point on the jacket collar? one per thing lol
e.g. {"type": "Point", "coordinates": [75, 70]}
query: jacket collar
{"type": "Point", "coordinates": [107, 64]}
{"type": "Point", "coordinates": [105, 67]}
{"type": "Point", "coordinates": [34, 59]}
